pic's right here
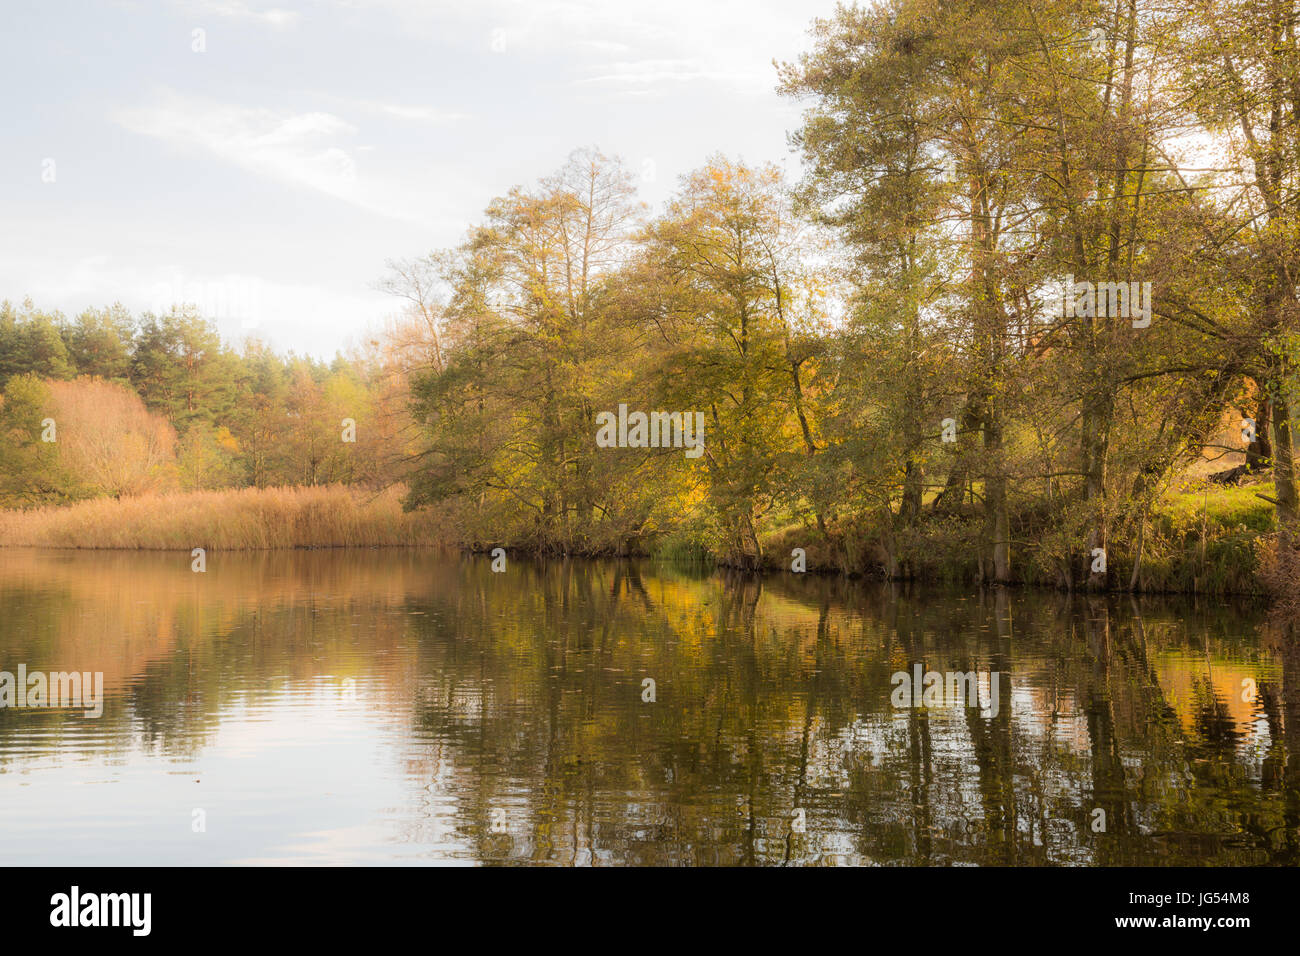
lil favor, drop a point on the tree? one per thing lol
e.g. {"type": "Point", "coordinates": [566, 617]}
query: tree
{"type": "Point", "coordinates": [207, 458]}
{"type": "Point", "coordinates": [31, 472]}
{"type": "Point", "coordinates": [181, 368]}
{"type": "Point", "coordinates": [30, 343]}
{"type": "Point", "coordinates": [99, 343]}
{"type": "Point", "coordinates": [109, 441]}
{"type": "Point", "coordinates": [729, 277]}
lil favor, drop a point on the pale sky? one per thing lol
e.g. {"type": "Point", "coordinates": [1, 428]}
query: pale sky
{"type": "Point", "coordinates": [268, 177]}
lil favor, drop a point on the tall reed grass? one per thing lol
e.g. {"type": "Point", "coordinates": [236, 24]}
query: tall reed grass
{"type": "Point", "coordinates": [323, 516]}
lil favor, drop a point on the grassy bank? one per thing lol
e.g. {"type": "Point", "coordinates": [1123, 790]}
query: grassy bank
{"type": "Point", "coordinates": [321, 516]}
{"type": "Point", "coordinates": [1207, 539]}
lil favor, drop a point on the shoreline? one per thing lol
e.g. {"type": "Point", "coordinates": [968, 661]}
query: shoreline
{"type": "Point", "coordinates": [718, 567]}
{"type": "Point", "coordinates": [1198, 545]}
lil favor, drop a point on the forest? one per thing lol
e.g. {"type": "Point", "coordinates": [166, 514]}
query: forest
{"type": "Point", "coordinates": [1028, 314]}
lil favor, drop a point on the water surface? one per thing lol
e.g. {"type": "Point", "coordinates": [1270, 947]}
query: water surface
{"type": "Point", "coordinates": [410, 707]}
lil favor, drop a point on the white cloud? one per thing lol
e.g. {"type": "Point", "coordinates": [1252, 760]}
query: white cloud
{"type": "Point", "coordinates": [648, 72]}
{"type": "Point", "coordinates": [419, 114]}
{"type": "Point", "coordinates": [721, 41]}
{"type": "Point", "coordinates": [607, 47]}
{"type": "Point", "coordinates": [287, 314]}
{"type": "Point", "coordinates": [310, 150]}
{"type": "Point", "coordinates": [239, 10]}
{"type": "Point", "coordinates": [293, 148]}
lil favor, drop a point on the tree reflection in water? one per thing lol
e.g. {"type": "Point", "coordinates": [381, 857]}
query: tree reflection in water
{"type": "Point", "coordinates": [505, 712]}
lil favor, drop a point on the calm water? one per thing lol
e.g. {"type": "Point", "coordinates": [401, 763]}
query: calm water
{"type": "Point", "coordinates": [406, 707]}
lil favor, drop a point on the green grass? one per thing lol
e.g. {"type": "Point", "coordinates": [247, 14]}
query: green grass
{"type": "Point", "coordinates": [1206, 539]}
{"type": "Point", "coordinates": [1225, 509]}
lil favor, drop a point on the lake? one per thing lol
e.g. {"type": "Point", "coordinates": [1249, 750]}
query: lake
{"type": "Point", "coordinates": [416, 707]}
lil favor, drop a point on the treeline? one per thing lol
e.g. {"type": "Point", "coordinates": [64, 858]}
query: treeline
{"type": "Point", "coordinates": [1042, 261]}
{"type": "Point", "coordinates": [1039, 275]}
{"type": "Point", "coordinates": [108, 404]}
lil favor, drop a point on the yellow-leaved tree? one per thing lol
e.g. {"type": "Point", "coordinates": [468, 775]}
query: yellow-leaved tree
{"type": "Point", "coordinates": [109, 441]}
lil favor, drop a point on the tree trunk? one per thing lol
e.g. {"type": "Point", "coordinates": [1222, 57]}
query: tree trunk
{"type": "Point", "coordinates": [997, 525]}
{"type": "Point", "coordinates": [1284, 479]}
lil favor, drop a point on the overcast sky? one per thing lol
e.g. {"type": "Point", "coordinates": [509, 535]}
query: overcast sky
{"type": "Point", "coordinates": [269, 177]}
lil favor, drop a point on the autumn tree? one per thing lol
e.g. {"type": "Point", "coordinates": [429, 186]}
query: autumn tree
{"type": "Point", "coordinates": [110, 442]}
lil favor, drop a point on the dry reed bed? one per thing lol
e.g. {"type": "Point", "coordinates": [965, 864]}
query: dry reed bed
{"type": "Point", "coordinates": [241, 519]}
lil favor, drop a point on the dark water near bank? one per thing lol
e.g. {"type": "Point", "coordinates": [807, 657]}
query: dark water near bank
{"type": "Point", "coordinates": [405, 707]}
